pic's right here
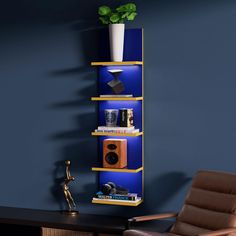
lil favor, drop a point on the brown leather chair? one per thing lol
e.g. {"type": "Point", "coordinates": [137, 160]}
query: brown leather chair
{"type": "Point", "coordinates": [209, 208]}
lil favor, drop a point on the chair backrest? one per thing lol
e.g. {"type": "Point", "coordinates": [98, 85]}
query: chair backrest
{"type": "Point", "coordinates": [209, 205]}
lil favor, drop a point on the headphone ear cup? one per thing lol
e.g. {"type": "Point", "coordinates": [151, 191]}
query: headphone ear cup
{"type": "Point", "coordinates": [106, 189]}
{"type": "Point", "coordinates": [113, 191]}
{"type": "Point", "coordinates": [113, 187]}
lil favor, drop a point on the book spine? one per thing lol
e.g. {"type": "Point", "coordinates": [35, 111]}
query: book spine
{"type": "Point", "coordinates": [115, 128]}
{"type": "Point", "coordinates": [125, 198]}
{"type": "Point", "coordinates": [118, 96]}
{"type": "Point", "coordinates": [118, 131]}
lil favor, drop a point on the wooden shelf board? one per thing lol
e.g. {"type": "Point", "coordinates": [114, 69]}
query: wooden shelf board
{"type": "Point", "coordinates": [117, 170]}
{"type": "Point", "coordinates": [116, 98]}
{"type": "Point", "coordinates": [117, 202]}
{"type": "Point", "coordinates": [114, 63]}
{"type": "Point", "coordinates": [116, 134]}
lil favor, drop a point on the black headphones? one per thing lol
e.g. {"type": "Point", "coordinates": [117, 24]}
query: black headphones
{"type": "Point", "coordinates": [112, 188]}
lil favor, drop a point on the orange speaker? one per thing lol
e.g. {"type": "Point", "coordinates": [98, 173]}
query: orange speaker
{"type": "Point", "coordinates": [114, 153]}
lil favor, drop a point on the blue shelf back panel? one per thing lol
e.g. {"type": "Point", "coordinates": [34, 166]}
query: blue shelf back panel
{"type": "Point", "coordinates": [137, 110]}
{"type": "Point", "coordinates": [132, 45]}
{"type": "Point", "coordinates": [131, 77]}
{"type": "Point", "coordinates": [134, 150]}
{"type": "Point", "coordinates": [131, 181]}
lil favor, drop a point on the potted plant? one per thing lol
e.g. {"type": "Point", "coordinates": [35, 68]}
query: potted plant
{"type": "Point", "coordinates": [115, 18]}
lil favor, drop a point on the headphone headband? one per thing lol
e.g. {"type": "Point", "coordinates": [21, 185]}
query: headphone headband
{"type": "Point", "coordinates": [112, 188]}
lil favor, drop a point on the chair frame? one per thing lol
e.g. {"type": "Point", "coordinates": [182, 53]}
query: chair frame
{"type": "Point", "coordinates": [174, 215]}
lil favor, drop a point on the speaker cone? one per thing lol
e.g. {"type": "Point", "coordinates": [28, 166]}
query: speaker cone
{"type": "Point", "coordinates": [112, 158]}
{"type": "Point", "coordinates": [111, 146]}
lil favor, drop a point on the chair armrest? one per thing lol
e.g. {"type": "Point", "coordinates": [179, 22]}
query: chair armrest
{"type": "Point", "coordinates": [219, 232]}
{"type": "Point", "coordinates": [153, 217]}
{"type": "Point", "coordinates": [150, 217]}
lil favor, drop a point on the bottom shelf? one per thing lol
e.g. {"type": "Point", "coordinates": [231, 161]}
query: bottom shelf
{"type": "Point", "coordinates": [117, 202]}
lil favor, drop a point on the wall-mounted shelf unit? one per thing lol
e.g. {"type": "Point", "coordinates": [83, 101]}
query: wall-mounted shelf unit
{"type": "Point", "coordinates": [132, 176]}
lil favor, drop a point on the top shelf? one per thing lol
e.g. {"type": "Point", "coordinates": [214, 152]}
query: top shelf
{"type": "Point", "coordinates": [116, 63]}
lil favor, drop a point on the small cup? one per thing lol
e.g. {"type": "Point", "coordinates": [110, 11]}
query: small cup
{"type": "Point", "coordinates": [111, 116]}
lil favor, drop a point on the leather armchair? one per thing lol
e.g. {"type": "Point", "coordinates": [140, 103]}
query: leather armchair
{"type": "Point", "coordinates": [209, 208]}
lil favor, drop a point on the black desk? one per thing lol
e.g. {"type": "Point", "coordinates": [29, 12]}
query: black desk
{"type": "Point", "coordinates": [29, 222]}
{"type": "Point", "coordinates": [33, 220]}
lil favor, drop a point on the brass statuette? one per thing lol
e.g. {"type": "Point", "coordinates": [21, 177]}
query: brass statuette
{"type": "Point", "coordinates": [68, 197]}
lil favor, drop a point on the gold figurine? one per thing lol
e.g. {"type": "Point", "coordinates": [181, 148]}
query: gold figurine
{"type": "Point", "coordinates": [69, 199]}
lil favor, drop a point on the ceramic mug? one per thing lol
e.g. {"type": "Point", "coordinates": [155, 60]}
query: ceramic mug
{"type": "Point", "coordinates": [111, 116]}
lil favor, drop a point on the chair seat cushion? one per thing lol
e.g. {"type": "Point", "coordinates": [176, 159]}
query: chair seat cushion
{"type": "Point", "coordinates": [145, 233]}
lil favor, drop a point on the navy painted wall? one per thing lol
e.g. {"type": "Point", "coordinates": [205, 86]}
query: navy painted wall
{"type": "Point", "coordinates": [46, 82]}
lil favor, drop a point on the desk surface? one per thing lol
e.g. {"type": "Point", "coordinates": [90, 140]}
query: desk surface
{"type": "Point", "coordinates": [81, 222]}
{"type": "Point", "coordinates": [54, 219]}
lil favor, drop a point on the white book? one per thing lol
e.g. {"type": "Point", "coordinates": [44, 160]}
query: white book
{"type": "Point", "coordinates": [114, 200]}
{"type": "Point", "coordinates": [134, 131]}
{"type": "Point", "coordinates": [115, 128]}
{"type": "Point", "coordinates": [116, 95]}
{"type": "Point", "coordinates": [119, 131]}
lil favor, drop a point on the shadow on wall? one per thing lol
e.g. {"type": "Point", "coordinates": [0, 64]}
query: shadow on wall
{"type": "Point", "coordinates": [165, 187]}
{"type": "Point", "coordinates": [158, 192]}
{"type": "Point", "coordinates": [77, 144]}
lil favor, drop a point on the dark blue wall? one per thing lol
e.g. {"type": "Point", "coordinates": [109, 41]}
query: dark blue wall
{"type": "Point", "coordinates": [46, 82]}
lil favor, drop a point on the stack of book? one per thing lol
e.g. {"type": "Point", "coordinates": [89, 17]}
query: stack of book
{"type": "Point", "coordinates": [116, 197]}
{"type": "Point", "coordinates": [128, 130]}
{"type": "Point", "coordinates": [116, 95]}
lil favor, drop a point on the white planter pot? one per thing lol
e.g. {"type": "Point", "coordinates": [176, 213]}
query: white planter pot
{"type": "Point", "coordinates": [116, 36]}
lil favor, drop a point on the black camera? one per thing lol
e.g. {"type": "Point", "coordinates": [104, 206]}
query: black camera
{"type": "Point", "coordinates": [112, 188]}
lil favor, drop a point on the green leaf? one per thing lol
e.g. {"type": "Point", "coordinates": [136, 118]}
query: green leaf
{"type": "Point", "coordinates": [104, 10]}
{"type": "Point", "coordinates": [121, 8]}
{"type": "Point", "coordinates": [125, 15]}
{"type": "Point", "coordinates": [131, 16]}
{"type": "Point", "coordinates": [130, 7]}
{"type": "Point", "coordinates": [122, 13]}
{"type": "Point", "coordinates": [104, 20]}
{"type": "Point", "coordinates": [114, 18]}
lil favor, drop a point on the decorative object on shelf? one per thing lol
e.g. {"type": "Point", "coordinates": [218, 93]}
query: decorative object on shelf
{"type": "Point", "coordinates": [126, 117]}
{"type": "Point", "coordinates": [116, 85]}
{"type": "Point", "coordinates": [115, 19]}
{"type": "Point", "coordinates": [112, 188]}
{"type": "Point", "coordinates": [67, 194]}
{"type": "Point", "coordinates": [116, 35]}
{"type": "Point", "coordinates": [111, 116]}
{"type": "Point", "coordinates": [115, 153]}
